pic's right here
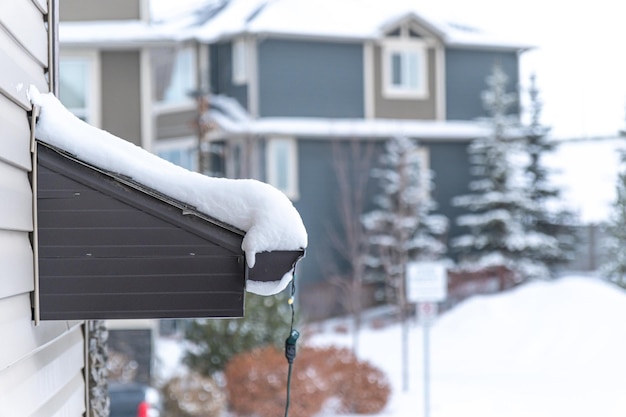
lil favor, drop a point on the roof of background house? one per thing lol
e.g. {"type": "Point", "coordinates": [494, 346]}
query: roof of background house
{"type": "Point", "coordinates": [212, 20]}
{"type": "Point", "coordinates": [342, 19]}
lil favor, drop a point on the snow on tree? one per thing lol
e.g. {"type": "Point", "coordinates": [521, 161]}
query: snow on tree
{"type": "Point", "coordinates": [615, 268]}
{"type": "Point", "coordinates": [402, 228]}
{"type": "Point", "coordinates": [500, 199]}
{"type": "Point", "coordinates": [553, 225]}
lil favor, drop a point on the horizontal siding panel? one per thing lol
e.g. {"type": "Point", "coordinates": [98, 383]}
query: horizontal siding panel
{"type": "Point", "coordinates": [42, 5]}
{"type": "Point", "coordinates": [70, 401]}
{"type": "Point", "coordinates": [14, 134]}
{"type": "Point", "coordinates": [122, 306]}
{"type": "Point", "coordinates": [88, 285]}
{"type": "Point", "coordinates": [31, 385]}
{"type": "Point", "coordinates": [175, 124]}
{"type": "Point", "coordinates": [16, 320]}
{"type": "Point", "coordinates": [19, 70]}
{"type": "Point", "coordinates": [26, 23]}
{"type": "Point", "coordinates": [16, 263]}
{"type": "Point", "coordinates": [16, 197]}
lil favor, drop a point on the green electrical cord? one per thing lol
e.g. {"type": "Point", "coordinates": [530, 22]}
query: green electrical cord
{"type": "Point", "coordinates": [290, 344]}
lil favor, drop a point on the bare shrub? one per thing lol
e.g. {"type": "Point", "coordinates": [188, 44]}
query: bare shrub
{"type": "Point", "coordinates": [193, 395]}
{"type": "Point", "coordinates": [256, 383]}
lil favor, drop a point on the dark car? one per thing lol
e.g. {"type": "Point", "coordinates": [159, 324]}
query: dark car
{"type": "Point", "coordinates": [134, 400]}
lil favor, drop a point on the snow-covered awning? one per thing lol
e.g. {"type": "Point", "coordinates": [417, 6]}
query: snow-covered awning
{"type": "Point", "coordinates": [267, 218]}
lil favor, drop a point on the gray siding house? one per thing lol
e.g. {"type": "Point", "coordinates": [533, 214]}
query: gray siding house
{"type": "Point", "coordinates": [288, 81]}
{"type": "Point", "coordinates": [326, 73]}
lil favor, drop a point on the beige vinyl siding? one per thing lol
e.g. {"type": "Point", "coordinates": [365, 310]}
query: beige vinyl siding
{"type": "Point", "coordinates": [31, 36]}
{"type": "Point", "coordinates": [19, 70]}
{"type": "Point", "coordinates": [41, 367]}
{"type": "Point", "coordinates": [17, 199]}
{"type": "Point", "coordinates": [16, 256]}
{"type": "Point", "coordinates": [15, 138]}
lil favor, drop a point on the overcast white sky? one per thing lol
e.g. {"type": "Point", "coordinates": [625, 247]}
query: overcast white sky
{"type": "Point", "coordinates": [581, 60]}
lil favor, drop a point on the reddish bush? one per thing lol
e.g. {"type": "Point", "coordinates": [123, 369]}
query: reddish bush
{"type": "Point", "coordinates": [257, 383]}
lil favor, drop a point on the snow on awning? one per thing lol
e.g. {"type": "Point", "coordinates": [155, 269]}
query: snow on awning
{"type": "Point", "coordinates": [265, 214]}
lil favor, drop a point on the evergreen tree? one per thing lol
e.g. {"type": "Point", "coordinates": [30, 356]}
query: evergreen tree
{"type": "Point", "coordinates": [615, 268]}
{"type": "Point", "coordinates": [499, 200]}
{"type": "Point", "coordinates": [402, 228]}
{"type": "Point", "coordinates": [214, 342]}
{"type": "Point", "coordinates": [553, 227]}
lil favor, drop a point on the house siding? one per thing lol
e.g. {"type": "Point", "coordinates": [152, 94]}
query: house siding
{"type": "Point", "coordinates": [82, 10]}
{"type": "Point", "coordinates": [221, 79]}
{"type": "Point", "coordinates": [310, 79]}
{"type": "Point", "coordinates": [425, 109]}
{"type": "Point", "coordinates": [41, 368]}
{"type": "Point", "coordinates": [121, 94]}
{"type": "Point", "coordinates": [319, 208]}
{"type": "Point", "coordinates": [466, 73]}
{"type": "Point", "coordinates": [177, 124]}
{"type": "Point", "coordinates": [451, 168]}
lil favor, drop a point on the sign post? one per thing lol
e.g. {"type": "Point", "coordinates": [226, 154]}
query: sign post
{"type": "Point", "coordinates": [427, 284]}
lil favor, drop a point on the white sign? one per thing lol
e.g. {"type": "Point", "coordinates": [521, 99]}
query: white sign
{"type": "Point", "coordinates": [427, 312]}
{"type": "Point", "coordinates": [426, 281]}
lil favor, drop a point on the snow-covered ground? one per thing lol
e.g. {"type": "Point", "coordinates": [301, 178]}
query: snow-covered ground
{"type": "Point", "coordinates": [544, 349]}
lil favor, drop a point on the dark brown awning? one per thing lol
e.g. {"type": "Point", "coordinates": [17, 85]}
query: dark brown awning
{"type": "Point", "coordinates": [109, 248]}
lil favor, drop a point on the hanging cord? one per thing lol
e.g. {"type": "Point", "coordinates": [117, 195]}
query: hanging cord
{"type": "Point", "coordinates": [290, 343]}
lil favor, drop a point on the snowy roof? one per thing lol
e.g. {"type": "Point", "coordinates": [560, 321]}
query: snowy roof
{"type": "Point", "coordinates": [345, 19]}
{"type": "Point", "coordinates": [268, 217]}
{"type": "Point", "coordinates": [122, 33]}
{"type": "Point", "coordinates": [233, 120]}
{"type": "Point", "coordinates": [212, 20]}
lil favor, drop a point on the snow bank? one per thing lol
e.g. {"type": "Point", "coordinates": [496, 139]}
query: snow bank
{"type": "Point", "coordinates": [545, 349]}
{"type": "Point", "coordinates": [266, 215]}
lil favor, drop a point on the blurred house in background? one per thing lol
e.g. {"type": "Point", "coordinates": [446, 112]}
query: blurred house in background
{"type": "Point", "coordinates": [281, 85]}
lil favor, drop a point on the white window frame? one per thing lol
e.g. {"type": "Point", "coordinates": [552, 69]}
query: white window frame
{"type": "Point", "coordinates": [405, 46]}
{"type": "Point", "coordinates": [185, 101]}
{"type": "Point", "coordinates": [240, 60]}
{"type": "Point", "coordinates": [93, 100]}
{"type": "Point", "coordinates": [288, 184]}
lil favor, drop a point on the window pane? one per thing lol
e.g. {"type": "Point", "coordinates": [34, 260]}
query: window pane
{"type": "Point", "coordinates": [182, 79]}
{"type": "Point", "coordinates": [396, 69]}
{"type": "Point", "coordinates": [412, 70]}
{"type": "Point", "coordinates": [239, 61]}
{"type": "Point", "coordinates": [73, 83]}
{"type": "Point", "coordinates": [184, 157]}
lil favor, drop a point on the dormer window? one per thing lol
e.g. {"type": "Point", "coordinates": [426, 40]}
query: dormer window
{"type": "Point", "coordinates": [405, 66]}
